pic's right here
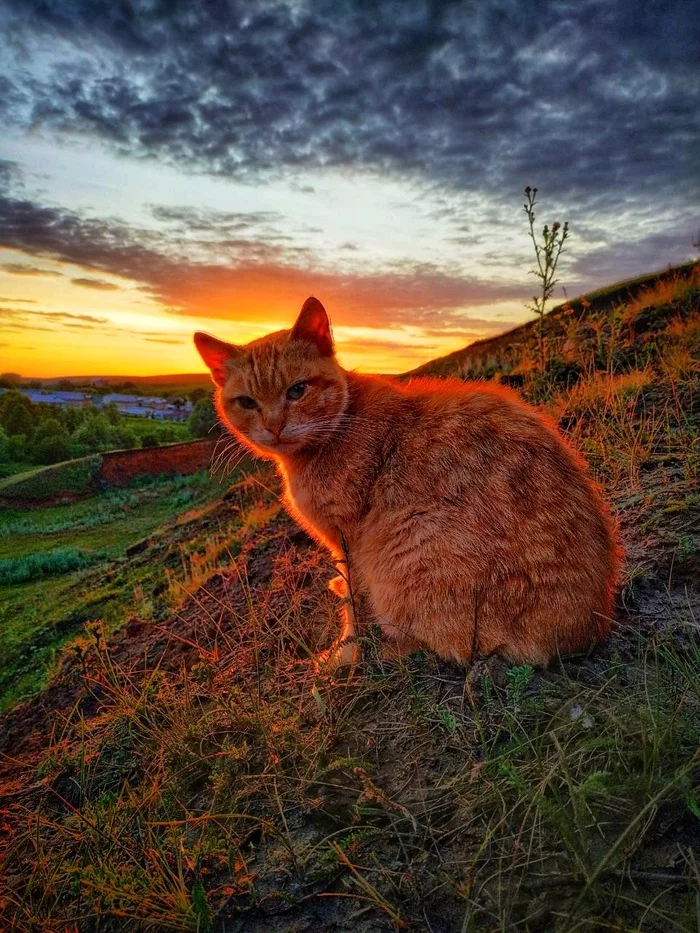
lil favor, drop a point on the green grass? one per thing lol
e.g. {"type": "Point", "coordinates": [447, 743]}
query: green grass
{"type": "Point", "coordinates": [108, 521]}
{"type": "Point", "coordinates": [47, 591]}
{"type": "Point", "coordinates": [12, 468]}
{"type": "Point", "coordinates": [178, 429]}
{"type": "Point", "coordinates": [14, 570]}
{"type": "Point", "coordinates": [542, 803]}
{"type": "Point", "coordinates": [199, 777]}
{"type": "Point", "coordinates": [73, 477]}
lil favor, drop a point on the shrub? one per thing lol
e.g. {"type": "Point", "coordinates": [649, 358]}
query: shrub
{"type": "Point", "coordinates": [49, 428]}
{"type": "Point", "coordinates": [203, 422]}
{"type": "Point", "coordinates": [52, 449]}
{"type": "Point", "coordinates": [95, 433]}
{"type": "Point", "coordinates": [17, 448]}
{"type": "Point", "coordinates": [124, 438]}
{"type": "Point", "coordinates": [36, 566]}
{"type": "Point", "coordinates": [16, 414]}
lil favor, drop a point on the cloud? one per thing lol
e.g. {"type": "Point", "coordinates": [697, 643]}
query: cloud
{"type": "Point", "coordinates": [582, 98]}
{"type": "Point", "coordinates": [390, 345]}
{"type": "Point", "coordinates": [172, 340]}
{"type": "Point", "coordinates": [69, 316]}
{"type": "Point", "coordinates": [9, 171]}
{"type": "Point", "coordinates": [647, 252]}
{"type": "Point", "coordinates": [98, 284]}
{"type": "Point", "coordinates": [203, 220]}
{"type": "Point", "coordinates": [417, 294]}
{"type": "Point", "coordinates": [18, 301]}
{"type": "Point", "coordinates": [24, 319]}
{"type": "Point", "coordinates": [597, 103]}
{"type": "Point", "coordinates": [13, 325]}
{"type": "Point", "coordinates": [17, 268]}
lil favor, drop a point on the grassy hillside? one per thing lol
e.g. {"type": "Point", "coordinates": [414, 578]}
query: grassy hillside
{"type": "Point", "coordinates": [185, 770]}
{"type": "Point", "coordinates": [70, 477]}
{"type": "Point", "coordinates": [118, 552]}
{"type": "Point", "coordinates": [617, 309]}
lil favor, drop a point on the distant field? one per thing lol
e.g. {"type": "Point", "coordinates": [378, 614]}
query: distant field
{"type": "Point", "coordinates": [63, 565]}
{"type": "Point", "coordinates": [170, 431]}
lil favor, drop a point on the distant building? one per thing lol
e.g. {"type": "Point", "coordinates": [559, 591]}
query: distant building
{"type": "Point", "coordinates": [62, 399]}
{"type": "Point", "coordinates": [139, 406]}
{"type": "Point", "coordinates": [118, 399]}
{"type": "Point", "coordinates": [147, 406]}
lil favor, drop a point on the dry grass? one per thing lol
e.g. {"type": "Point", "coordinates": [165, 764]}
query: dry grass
{"type": "Point", "coordinates": [664, 292]}
{"type": "Point", "coordinates": [609, 421]}
{"type": "Point", "coordinates": [238, 788]}
{"type": "Point", "coordinates": [213, 784]}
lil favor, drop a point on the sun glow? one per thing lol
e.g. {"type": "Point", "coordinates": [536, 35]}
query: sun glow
{"type": "Point", "coordinates": [380, 253]}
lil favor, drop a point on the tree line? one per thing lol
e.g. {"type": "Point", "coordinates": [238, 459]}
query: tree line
{"type": "Point", "coordinates": [37, 433]}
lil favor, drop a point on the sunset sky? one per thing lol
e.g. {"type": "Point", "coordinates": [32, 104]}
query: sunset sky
{"type": "Point", "coordinates": [168, 167]}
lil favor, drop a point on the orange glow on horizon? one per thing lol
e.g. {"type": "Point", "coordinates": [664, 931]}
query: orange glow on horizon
{"type": "Point", "coordinates": [62, 321]}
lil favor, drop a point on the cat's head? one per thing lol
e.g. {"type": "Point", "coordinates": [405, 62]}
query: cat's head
{"type": "Point", "coordinates": [283, 392]}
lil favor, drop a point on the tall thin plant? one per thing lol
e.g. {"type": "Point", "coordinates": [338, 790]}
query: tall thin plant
{"type": "Point", "coordinates": [547, 253]}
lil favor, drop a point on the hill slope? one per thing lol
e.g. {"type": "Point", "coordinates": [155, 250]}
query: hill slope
{"type": "Point", "coordinates": [506, 352]}
{"type": "Point", "coordinates": [190, 774]}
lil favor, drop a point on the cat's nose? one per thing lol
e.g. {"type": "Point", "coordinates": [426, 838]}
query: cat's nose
{"type": "Point", "coordinates": [275, 426]}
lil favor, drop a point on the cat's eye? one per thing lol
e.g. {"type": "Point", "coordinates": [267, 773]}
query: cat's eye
{"type": "Point", "coordinates": [245, 401]}
{"type": "Point", "coordinates": [296, 391]}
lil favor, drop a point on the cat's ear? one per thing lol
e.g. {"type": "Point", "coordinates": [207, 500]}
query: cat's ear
{"type": "Point", "coordinates": [217, 355]}
{"type": "Point", "coordinates": [313, 326]}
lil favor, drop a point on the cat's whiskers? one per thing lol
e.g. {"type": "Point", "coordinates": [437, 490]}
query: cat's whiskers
{"type": "Point", "coordinates": [222, 453]}
{"type": "Point", "coordinates": [231, 465]}
{"type": "Point", "coordinates": [221, 447]}
{"type": "Point", "coordinates": [225, 460]}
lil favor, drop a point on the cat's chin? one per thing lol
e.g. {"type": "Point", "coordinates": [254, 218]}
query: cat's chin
{"type": "Point", "coordinates": [279, 448]}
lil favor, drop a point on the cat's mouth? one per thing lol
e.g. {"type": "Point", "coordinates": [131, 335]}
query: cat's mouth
{"type": "Point", "coordinates": [287, 441]}
{"type": "Point", "coordinates": [280, 443]}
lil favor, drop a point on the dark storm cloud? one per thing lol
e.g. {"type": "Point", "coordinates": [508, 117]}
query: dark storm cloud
{"type": "Point", "coordinates": [579, 97]}
{"type": "Point", "coordinates": [99, 285]}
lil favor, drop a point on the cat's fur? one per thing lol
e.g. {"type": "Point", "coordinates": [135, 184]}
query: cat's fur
{"type": "Point", "coordinates": [469, 525]}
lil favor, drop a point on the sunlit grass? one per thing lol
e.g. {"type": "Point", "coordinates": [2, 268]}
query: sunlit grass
{"type": "Point", "coordinates": [215, 783]}
{"type": "Point", "coordinates": [533, 802]}
{"type": "Point", "coordinates": [64, 565]}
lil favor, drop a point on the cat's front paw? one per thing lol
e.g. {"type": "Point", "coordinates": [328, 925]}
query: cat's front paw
{"type": "Point", "coordinates": [342, 656]}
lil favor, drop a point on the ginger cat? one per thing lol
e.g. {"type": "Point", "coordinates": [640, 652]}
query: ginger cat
{"type": "Point", "coordinates": [462, 519]}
